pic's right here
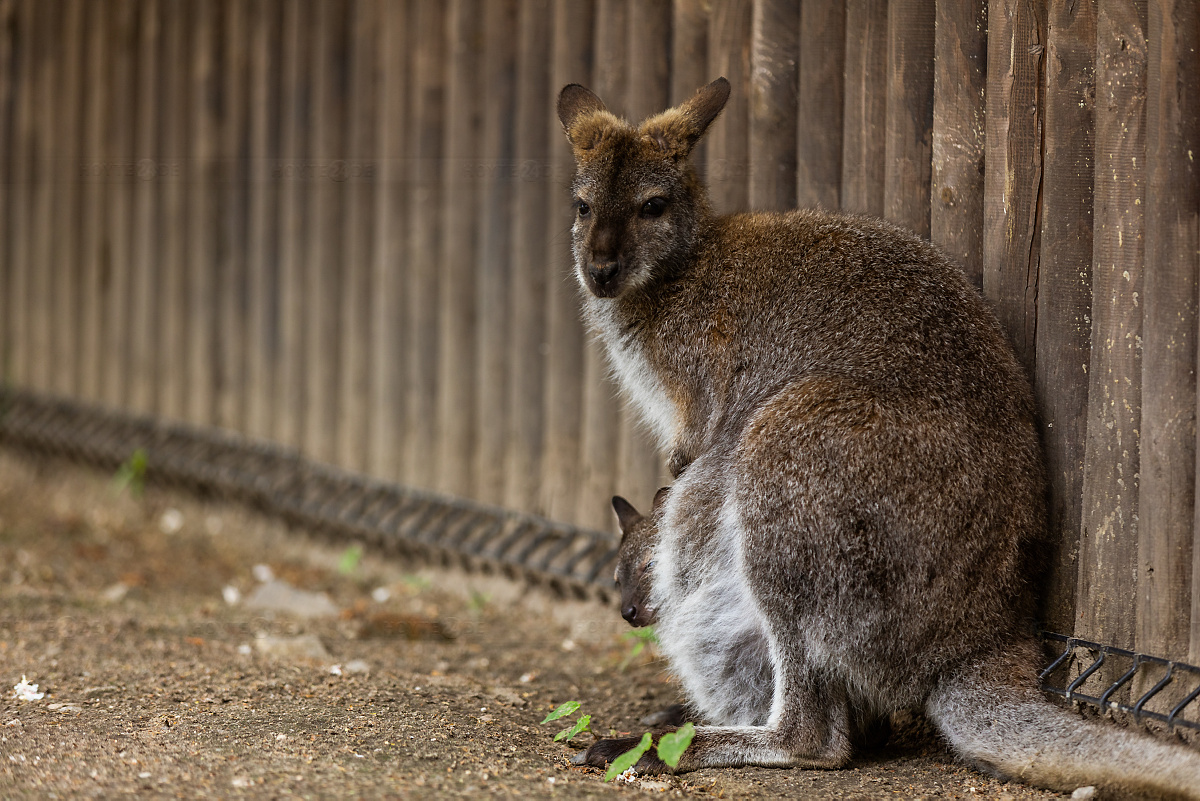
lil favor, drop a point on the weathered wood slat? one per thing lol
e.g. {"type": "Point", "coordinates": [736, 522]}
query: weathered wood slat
{"type": "Point", "coordinates": [864, 117]}
{"type": "Point", "coordinates": [1166, 496]}
{"type": "Point", "coordinates": [728, 158]}
{"type": "Point", "coordinates": [908, 129]}
{"type": "Point", "coordinates": [774, 62]}
{"type": "Point", "coordinates": [1108, 546]}
{"type": "Point", "coordinates": [956, 180]}
{"type": "Point", "coordinates": [8, 88]}
{"type": "Point", "coordinates": [499, 182]}
{"type": "Point", "coordinates": [821, 103]}
{"type": "Point", "coordinates": [527, 292]}
{"type": "Point", "coordinates": [47, 66]}
{"type": "Point", "coordinates": [64, 332]}
{"type": "Point", "coordinates": [202, 213]}
{"type": "Point", "coordinates": [1013, 175]}
{"type": "Point", "coordinates": [421, 273]}
{"type": "Point", "coordinates": [461, 185]}
{"type": "Point", "coordinates": [386, 441]}
{"type": "Point", "coordinates": [1065, 289]}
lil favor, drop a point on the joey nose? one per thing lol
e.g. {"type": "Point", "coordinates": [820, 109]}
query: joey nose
{"type": "Point", "coordinates": [604, 272]}
{"type": "Point", "coordinates": [630, 613]}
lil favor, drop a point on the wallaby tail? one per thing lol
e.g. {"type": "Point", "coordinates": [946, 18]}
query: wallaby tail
{"type": "Point", "coordinates": [994, 716]}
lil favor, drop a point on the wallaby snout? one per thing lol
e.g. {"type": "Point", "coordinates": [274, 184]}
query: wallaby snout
{"type": "Point", "coordinates": [603, 277]}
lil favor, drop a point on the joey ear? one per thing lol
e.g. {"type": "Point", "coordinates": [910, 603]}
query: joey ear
{"type": "Point", "coordinates": [627, 516]}
{"type": "Point", "coordinates": [659, 497]}
{"type": "Point", "coordinates": [677, 130]}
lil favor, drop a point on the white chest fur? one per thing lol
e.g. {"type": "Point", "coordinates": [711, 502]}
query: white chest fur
{"type": "Point", "coordinates": [636, 377]}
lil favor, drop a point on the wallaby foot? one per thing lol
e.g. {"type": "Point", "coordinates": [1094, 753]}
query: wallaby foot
{"type": "Point", "coordinates": [674, 715]}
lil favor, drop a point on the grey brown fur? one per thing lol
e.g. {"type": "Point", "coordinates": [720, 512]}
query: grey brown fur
{"type": "Point", "coordinates": [860, 493]}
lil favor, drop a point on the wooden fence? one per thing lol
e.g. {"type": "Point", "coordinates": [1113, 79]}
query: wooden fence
{"type": "Point", "coordinates": [343, 225]}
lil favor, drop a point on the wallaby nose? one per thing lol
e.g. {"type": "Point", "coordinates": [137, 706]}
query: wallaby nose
{"type": "Point", "coordinates": [604, 272]}
{"type": "Point", "coordinates": [630, 613]}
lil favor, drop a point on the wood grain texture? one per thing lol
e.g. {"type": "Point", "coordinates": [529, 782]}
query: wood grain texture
{"type": "Point", "coordinates": [1013, 178]}
{"type": "Point", "coordinates": [527, 291]}
{"type": "Point", "coordinates": [1108, 543]}
{"type": "Point", "coordinates": [864, 116]}
{"type": "Point", "coordinates": [821, 103]}
{"type": "Point", "coordinates": [728, 139]}
{"type": "Point", "coordinates": [908, 129]}
{"type": "Point", "coordinates": [8, 86]}
{"type": "Point", "coordinates": [1065, 290]}
{"type": "Point", "coordinates": [1166, 497]}
{"type": "Point", "coordinates": [774, 64]}
{"type": "Point", "coordinates": [959, 108]}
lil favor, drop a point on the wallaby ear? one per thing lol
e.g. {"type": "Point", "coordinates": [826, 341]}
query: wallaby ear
{"type": "Point", "coordinates": [575, 105]}
{"type": "Point", "coordinates": [677, 130]}
{"type": "Point", "coordinates": [627, 516]}
{"type": "Point", "coordinates": [659, 497]}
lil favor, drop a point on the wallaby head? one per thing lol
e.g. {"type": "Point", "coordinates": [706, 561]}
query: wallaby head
{"type": "Point", "coordinates": [638, 200]}
{"type": "Point", "coordinates": [635, 559]}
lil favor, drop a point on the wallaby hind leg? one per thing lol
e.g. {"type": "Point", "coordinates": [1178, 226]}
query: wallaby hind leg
{"type": "Point", "coordinates": [810, 727]}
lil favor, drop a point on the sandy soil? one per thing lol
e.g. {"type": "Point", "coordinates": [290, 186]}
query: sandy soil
{"type": "Point", "coordinates": [134, 615]}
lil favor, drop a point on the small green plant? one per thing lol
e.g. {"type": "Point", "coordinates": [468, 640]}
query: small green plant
{"type": "Point", "coordinates": [639, 637]}
{"type": "Point", "coordinates": [478, 601]}
{"type": "Point", "coordinates": [131, 475]}
{"type": "Point", "coordinates": [350, 559]}
{"type": "Point", "coordinates": [584, 723]}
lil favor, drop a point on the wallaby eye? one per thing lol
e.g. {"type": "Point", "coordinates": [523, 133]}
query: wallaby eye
{"type": "Point", "coordinates": [584, 209]}
{"type": "Point", "coordinates": [654, 207]}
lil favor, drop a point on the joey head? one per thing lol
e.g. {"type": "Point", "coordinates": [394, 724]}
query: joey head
{"type": "Point", "coordinates": [635, 559]}
{"type": "Point", "coordinates": [859, 501]}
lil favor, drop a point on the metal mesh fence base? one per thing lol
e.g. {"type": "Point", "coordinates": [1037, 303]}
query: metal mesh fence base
{"type": "Point", "coordinates": [568, 560]}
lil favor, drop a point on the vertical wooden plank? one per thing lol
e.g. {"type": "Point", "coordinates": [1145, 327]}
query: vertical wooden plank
{"type": "Point", "coordinates": [91, 312]}
{"type": "Point", "coordinates": [572, 48]}
{"type": "Point", "coordinates": [601, 436]}
{"type": "Point", "coordinates": [322, 284]}
{"type": "Point", "coordinates": [495, 248]}
{"type": "Point", "coordinates": [66, 210]}
{"type": "Point", "coordinates": [359, 244]}
{"type": "Point", "coordinates": [263, 354]}
{"type": "Point", "coordinates": [728, 157]}
{"type": "Point", "coordinates": [1065, 289]}
{"type": "Point", "coordinates": [909, 121]}
{"type": "Point", "coordinates": [1108, 543]}
{"type": "Point", "coordinates": [460, 220]}
{"type": "Point", "coordinates": [20, 227]}
{"type": "Point", "coordinates": [821, 103]}
{"type": "Point", "coordinates": [119, 167]}
{"type": "Point", "coordinates": [689, 61]}
{"type": "Point", "coordinates": [1013, 177]}
{"type": "Point", "coordinates": [959, 91]}
{"type": "Point", "coordinates": [143, 319]}
{"type": "Point", "coordinates": [230, 193]}
{"type": "Point", "coordinates": [202, 213]}
{"type": "Point", "coordinates": [295, 110]}
{"type": "Point", "coordinates": [1168, 433]}
{"type": "Point", "coordinates": [425, 246]}
{"type": "Point", "coordinates": [391, 231]}
{"type": "Point", "coordinates": [47, 67]}
{"type": "Point", "coordinates": [865, 116]}
{"type": "Point", "coordinates": [774, 61]}
{"type": "Point", "coordinates": [527, 293]}
{"type": "Point", "coordinates": [8, 65]}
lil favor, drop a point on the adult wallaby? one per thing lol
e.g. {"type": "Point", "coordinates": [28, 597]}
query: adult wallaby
{"type": "Point", "coordinates": [860, 487]}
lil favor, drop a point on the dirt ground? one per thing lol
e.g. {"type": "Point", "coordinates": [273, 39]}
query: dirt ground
{"type": "Point", "coordinates": [195, 649]}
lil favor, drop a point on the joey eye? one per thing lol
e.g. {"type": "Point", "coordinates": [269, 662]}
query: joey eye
{"type": "Point", "coordinates": [584, 209]}
{"type": "Point", "coordinates": [654, 207]}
